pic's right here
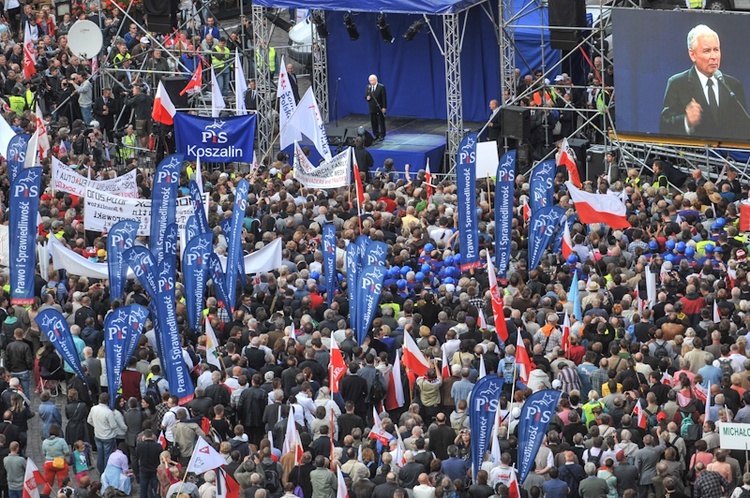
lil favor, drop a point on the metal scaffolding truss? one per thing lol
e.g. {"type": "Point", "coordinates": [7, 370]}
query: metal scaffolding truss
{"type": "Point", "coordinates": [263, 82]}
{"type": "Point", "coordinates": [506, 40]}
{"type": "Point", "coordinates": [320, 69]}
{"type": "Point", "coordinates": [452, 41]}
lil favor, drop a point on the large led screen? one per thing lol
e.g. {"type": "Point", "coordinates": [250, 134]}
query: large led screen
{"type": "Point", "coordinates": [665, 87]}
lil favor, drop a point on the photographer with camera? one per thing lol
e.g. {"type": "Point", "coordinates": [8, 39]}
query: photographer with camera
{"type": "Point", "coordinates": [85, 95]}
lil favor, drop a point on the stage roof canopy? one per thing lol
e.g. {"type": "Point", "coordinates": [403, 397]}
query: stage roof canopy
{"type": "Point", "coordinates": [387, 6]}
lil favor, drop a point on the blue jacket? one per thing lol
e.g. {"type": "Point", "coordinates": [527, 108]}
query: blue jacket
{"type": "Point", "coordinates": [49, 415]}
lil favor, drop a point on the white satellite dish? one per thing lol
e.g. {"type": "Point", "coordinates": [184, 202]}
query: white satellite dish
{"type": "Point", "coordinates": [85, 39]}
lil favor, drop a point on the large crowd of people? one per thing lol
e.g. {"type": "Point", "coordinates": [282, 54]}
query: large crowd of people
{"type": "Point", "coordinates": [670, 357]}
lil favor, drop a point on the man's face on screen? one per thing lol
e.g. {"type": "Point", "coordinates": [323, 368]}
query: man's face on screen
{"type": "Point", "coordinates": [706, 54]}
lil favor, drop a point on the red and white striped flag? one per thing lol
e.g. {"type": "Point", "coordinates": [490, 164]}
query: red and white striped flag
{"type": "Point", "coordinates": [566, 333]}
{"type": "Point", "coordinates": [523, 362]}
{"type": "Point", "coordinates": [414, 360]}
{"type": "Point", "coordinates": [482, 367]}
{"type": "Point", "coordinates": [446, 366]}
{"type": "Point", "coordinates": [394, 396]}
{"type": "Point", "coordinates": [341, 491]}
{"type": "Point", "coordinates": [666, 379]}
{"type": "Point", "coordinates": [428, 180]}
{"type": "Point", "coordinates": [163, 440]}
{"type": "Point", "coordinates": [196, 80]}
{"type": "Point", "coordinates": [358, 184]}
{"type": "Point", "coordinates": [498, 305]}
{"type": "Point", "coordinates": [640, 416]}
{"type": "Point", "coordinates": [481, 321]}
{"type": "Point", "coordinates": [717, 315]}
{"type": "Point", "coordinates": [568, 159]}
{"type": "Point", "coordinates": [700, 393]}
{"type": "Point", "coordinates": [513, 489]}
{"type": "Point", "coordinates": [567, 242]}
{"type": "Point", "coordinates": [526, 211]}
{"type": "Point", "coordinates": [292, 441]}
{"type": "Point", "coordinates": [377, 432]}
{"type": "Point", "coordinates": [29, 54]}
{"type": "Point", "coordinates": [337, 366]}
{"type": "Point", "coordinates": [32, 479]}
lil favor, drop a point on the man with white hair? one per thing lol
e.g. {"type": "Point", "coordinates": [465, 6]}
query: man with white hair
{"type": "Point", "coordinates": [549, 336]}
{"type": "Point", "coordinates": [377, 103]}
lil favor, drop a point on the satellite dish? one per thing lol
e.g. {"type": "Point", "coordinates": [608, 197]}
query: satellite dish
{"type": "Point", "coordinates": [85, 39]}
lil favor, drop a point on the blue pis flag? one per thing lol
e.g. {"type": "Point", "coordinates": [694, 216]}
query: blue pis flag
{"type": "Point", "coordinates": [368, 297]}
{"type": "Point", "coordinates": [352, 279]}
{"type": "Point", "coordinates": [16, 155]}
{"type": "Point", "coordinates": [119, 239]}
{"type": "Point", "coordinates": [504, 190]}
{"type": "Point", "coordinates": [329, 260]}
{"type": "Point", "coordinates": [483, 404]}
{"type": "Point", "coordinates": [542, 227]}
{"type": "Point", "coordinates": [542, 185]}
{"type": "Point", "coordinates": [122, 330]}
{"type": "Point", "coordinates": [143, 264]}
{"type": "Point", "coordinates": [234, 241]}
{"type": "Point", "coordinates": [200, 212]}
{"type": "Point", "coordinates": [375, 253]}
{"type": "Point", "coordinates": [195, 259]}
{"type": "Point", "coordinates": [536, 414]}
{"type": "Point", "coordinates": [23, 209]}
{"type": "Point", "coordinates": [53, 324]}
{"type": "Point", "coordinates": [363, 241]}
{"type": "Point", "coordinates": [466, 182]}
{"type": "Point", "coordinates": [192, 229]}
{"type": "Point", "coordinates": [216, 140]}
{"type": "Point", "coordinates": [180, 383]}
{"type": "Point", "coordinates": [164, 202]}
{"type": "Point", "coordinates": [216, 273]}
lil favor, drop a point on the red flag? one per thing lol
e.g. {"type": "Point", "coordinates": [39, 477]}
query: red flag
{"type": "Point", "coordinates": [164, 110]}
{"type": "Point", "coordinates": [513, 491]}
{"type": "Point", "coordinates": [498, 305]}
{"type": "Point", "coordinates": [567, 242]}
{"type": "Point", "coordinates": [568, 159]}
{"type": "Point", "coordinates": [358, 184]}
{"type": "Point", "coordinates": [32, 479]}
{"type": "Point", "coordinates": [526, 211]}
{"type": "Point", "coordinates": [522, 360]}
{"type": "Point", "coordinates": [700, 392]}
{"type": "Point", "coordinates": [226, 486]}
{"type": "Point", "coordinates": [196, 80]}
{"type": "Point", "coordinates": [446, 366]}
{"type": "Point", "coordinates": [377, 432]}
{"type": "Point", "coordinates": [666, 379]}
{"type": "Point", "coordinates": [566, 334]}
{"type": "Point", "coordinates": [29, 55]}
{"type": "Point", "coordinates": [163, 440]}
{"type": "Point", "coordinates": [337, 367]}
{"type": "Point", "coordinates": [599, 208]}
{"type": "Point", "coordinates": [640, 416]}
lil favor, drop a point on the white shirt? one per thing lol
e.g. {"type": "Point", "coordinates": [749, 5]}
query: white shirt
{"type": "Point", "coordinates": [169, 421]}
{"type": "Point", "coordinates": [204, 379]}
{"type": "Point", "coordinates": [704, 85]}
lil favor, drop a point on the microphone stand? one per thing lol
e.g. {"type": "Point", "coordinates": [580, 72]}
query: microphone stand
{"type": "Point", "coordinates": [721, 79]}
{"type": "Point", "coordinates": [336, 103]}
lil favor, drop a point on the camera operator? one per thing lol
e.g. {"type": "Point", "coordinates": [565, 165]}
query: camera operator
{"type": "Point", "coordinates": [64, 104]}
{"type": "Point", "coordinates": [85, 95]}
{"type": "Point", "coordinates": [142, 104]}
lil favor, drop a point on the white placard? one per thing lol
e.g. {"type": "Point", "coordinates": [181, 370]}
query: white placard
{"type": "Point", "coordinates": [487, 159]}
{"type": "Point", "coordinates": [733, 436]}
{"type": "Point", "coordinates": [331, 174]}
{"type": "Point", "coordinates": [65, 179]}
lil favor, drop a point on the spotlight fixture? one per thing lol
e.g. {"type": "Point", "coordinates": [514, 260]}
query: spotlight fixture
{"type": "Point", "coordinates": [351, 28]}
{"type": "Point", "coordinates": [320, 24]}
{"type": "Point", "coordinates": [414, 29]}
{"type": "Point", "coordinates": [385, 31]}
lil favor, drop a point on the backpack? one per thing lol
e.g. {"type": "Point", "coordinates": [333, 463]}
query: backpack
{"type": "Point", "coordinates": [377, 393]}
{"type": "Point", "coordinates": [661, 350]}
{"type": "Point", "coordinates": [651, 418]}
{"type": "Point", "coordinates": [595, 459]}
{"type": "Point", "coordinates": [689, 430]}
{"type": "Point", "coordinates": [745, 492]}
{"type": "Point", "coordinates": [152, 388]}
{"type": "Point", "coordinates": [273, 481]}
{"type": "Point", "coordinates": [725, 364]}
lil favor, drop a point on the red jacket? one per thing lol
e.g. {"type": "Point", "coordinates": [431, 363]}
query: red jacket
{"type": "Point", "coordinates": [131, 384]}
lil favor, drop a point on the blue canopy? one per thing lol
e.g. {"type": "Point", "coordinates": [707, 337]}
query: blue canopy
{"type": "Point", "coordinates": [387, 6]}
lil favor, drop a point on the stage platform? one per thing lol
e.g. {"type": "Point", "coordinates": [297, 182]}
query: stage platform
{"type": "Point", "coordinates": [408, 140]}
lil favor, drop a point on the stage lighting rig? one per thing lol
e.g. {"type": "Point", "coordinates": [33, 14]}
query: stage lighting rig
{"type": "Point", "coordinates": [351, 28]}
{"type": "Point", "coordinates": [320, 24]}
{"type": "Point", "coordinates": [414, 29]}
{"type": "Point", "coordinates": [385, 30]}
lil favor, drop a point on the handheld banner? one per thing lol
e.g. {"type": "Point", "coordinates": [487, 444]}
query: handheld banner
{"type": "Point", "coordinates": [122, 330]}
{"type": "Point", "coordinates": [200, 213]}
{"type": "Point", "coordinates": [216, 140]}
{"type": "Point", "coordinates": [234, 241]}
{"type": "Point", "coordinates": [375, 253]}
{"type": "Point", "coordinates": [362, 242]}
{"type": "Point", "coordinates": [542, 185]}
{"type": "Point", "coordinates": [192, 230]}
{"type": "Point", "coordinates": [331, 174]}
{"type": "Point", "coordinates": [53, 324]}
{"type": "Point", "coordinates": [16, 155]}
{"type": "Point", "coordinates": [23, 210]}
{"type": "Point", "coordinates": [466, 181]}
{"type": "Point", "coordinates": [195, 275]}
{"type": "Point", "coordinates": [216, 273]}
{"type": "Point", "coordinates": [119, 239]}
{"type": "Point", "coordinates": [536, 414]}
{"type": "Point", "coordinates": [66, 179]}
{"type": "Point", "coordinates": [368, 297]}
{"type": "Point", "coordinates": [329, 260]}
{"type": "Point", "coordinates": [483, 404]}
{"type": "Point", "coordinates": [164, 203]}
{"type": "Point", "coordinates": [352, 279]}
{"type": "Point", "coordinates": [504, 190]}
{"type": "Point", "coordinates": [542, 227]}
{"type": "Point", "coordinates": [143, 264]}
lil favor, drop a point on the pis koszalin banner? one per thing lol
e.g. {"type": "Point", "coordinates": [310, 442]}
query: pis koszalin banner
{"type": "Point", "coordinates": [55, 327]}
{"type": "Point", "coordinates": [218, 140]}
{"type": "Point", "coordinates": [504, 188]}
{"type": "Point", "coordinates": [483, 404]}
{"type": "Point", "coordinates": [466, 181]}
{"type": "Point", "coordinates": [536, 414]}
{"type": "Point", "coordinates": [24, 206]}
{"type": "Point", "coordinates": [122, 330]}
{"type": "Point", "coordinates": [329, 260]}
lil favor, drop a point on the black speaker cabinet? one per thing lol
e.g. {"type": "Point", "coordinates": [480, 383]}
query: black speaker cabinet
{"type": "Point", "coordinates": [581, 147]}
{"type": "Point", "coordinates": [594, 163]}
{"type": "Point", "coordinates": [566, 14]}
{"type": "Point", "coordinates": [174, 85]}
{"type": "Point", "coordinates": [517, 123]}
{"type": "Point", "coordinates": [336, 136]}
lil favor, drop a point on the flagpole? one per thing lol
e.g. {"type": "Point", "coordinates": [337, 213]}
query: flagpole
{"type": "Point", "coordinates": [512, 394]}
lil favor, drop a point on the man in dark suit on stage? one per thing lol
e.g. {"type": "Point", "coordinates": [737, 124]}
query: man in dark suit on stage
{"type": "Point", "coordinates": [701, 101]}
{"type": "Point", "coordinates": [377, 104]}
{"type": "Point", "coordinates": [293, 82]}
{"type": "Point", "coordinates": [494, 127]}
{"type": "Point", "coordinates": [251, 97]}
